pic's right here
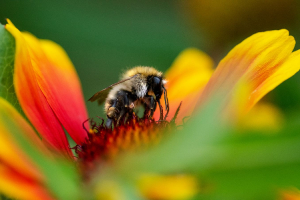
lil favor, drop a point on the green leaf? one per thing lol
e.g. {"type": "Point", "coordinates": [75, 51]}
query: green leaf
{"type": "Point", "coordinates": [261, 183]}
{"type": "Point", "coordinates": [7, 57]}
{"type": "Point", "coordinates": [260, 166]}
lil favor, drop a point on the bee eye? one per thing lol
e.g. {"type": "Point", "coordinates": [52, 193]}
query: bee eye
{"type": "Point", "coordinates": [157, 88]}
{"type": "Point", "coordinates": [156, 82]}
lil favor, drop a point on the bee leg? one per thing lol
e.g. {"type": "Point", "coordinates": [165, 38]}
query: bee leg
{"type": "Point", "coordinates": [112, 114]}
{"type": "Point", "coordinates": [126, 100]}
{"type": "Point", "coordinates": [121, 115]}
{"type": "Point", "coordinates": [123, 105]}
{"type": "Point", "coordinates": [123, 98]}
{"type": "Point", "coordinates": [147, 109]}
{"type": "Point", "coordinates": [161, 116]}
{"type": "Point", "coordinates": [152, 106]}
{"type": "Point", "coordinates": [109, 123]}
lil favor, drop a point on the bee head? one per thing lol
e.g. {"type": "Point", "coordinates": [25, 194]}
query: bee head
{"type": "Point", "coordinates": [157, 86]}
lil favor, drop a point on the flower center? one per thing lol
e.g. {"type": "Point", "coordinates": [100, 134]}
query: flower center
{"type": "Point", "coordinates": [132, 133]}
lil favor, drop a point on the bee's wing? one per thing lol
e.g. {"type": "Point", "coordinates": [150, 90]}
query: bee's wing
{"type": "Point", "coordinates": [101, 95]}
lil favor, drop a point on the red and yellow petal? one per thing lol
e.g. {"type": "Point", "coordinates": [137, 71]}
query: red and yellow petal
{"type": "Point", "coordinates": [16, 185]}
{"type": "Point", "coordinates": [17, 170]}
{"type": "Point", "coordinates": [253, 68]}
{"type": "Point", "coordinates": [60, 84]}
{"type": "Point", "coordinates": [48, 89]}
{"type": "Point", "coordinates": [10, 152]}
{"type": "Point", "coordinates": [285, 71]}
{"type": "Point", "coordinates": [185, 80]}
{"type": "Point", "coordinates": [30, 96]}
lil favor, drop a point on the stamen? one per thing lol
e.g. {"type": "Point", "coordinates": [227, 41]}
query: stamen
{"type": "Point", "coordinates": [176, 113]}
{"type": "Point", "coordinates": [132, 133]}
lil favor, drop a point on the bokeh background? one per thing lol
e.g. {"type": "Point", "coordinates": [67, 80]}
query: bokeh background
{"type": "Point", "coordinates": [103, 38]}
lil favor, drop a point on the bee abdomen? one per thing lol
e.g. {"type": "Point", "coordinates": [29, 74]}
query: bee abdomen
{"type": "Point", "coordinates": [118, 104]}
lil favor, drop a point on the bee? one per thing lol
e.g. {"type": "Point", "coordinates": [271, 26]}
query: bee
{"type": "Point", "coordinates": [139, 85]}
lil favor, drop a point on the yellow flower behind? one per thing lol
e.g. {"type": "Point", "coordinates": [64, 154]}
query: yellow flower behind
{"type": "Point", "coordinates": [169, 187]}
{"type": "Point", "coordinates": [263, 117]}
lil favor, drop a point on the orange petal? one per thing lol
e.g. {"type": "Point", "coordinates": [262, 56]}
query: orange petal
{"type": "Point", "coordinates": [253, 68]}
{"type": "Point", "coordinates": [60, 84]}
{"type": "Point", "coordinates": [285, 71]}
{"type": "Point", "coordinates": [20, 177]}
{"type": "Point", "coordinates": [185, 80]}
{"type": "Point", "coordinates": [10, 152]}
{"type": "Point", "coordinates": [31, 97]}
{"type": "Point", "coordinates": [20, 186]}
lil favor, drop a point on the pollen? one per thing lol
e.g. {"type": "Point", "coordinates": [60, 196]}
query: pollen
{"type": "Point", "coordinates": [92, 131]}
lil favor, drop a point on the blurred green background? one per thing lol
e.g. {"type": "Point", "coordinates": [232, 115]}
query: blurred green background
{"type": "Point", "coordinates": [103, 38]}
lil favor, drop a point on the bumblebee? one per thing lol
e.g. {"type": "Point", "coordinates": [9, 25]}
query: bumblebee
{"type": "Point", "coordinates": [139, 85]}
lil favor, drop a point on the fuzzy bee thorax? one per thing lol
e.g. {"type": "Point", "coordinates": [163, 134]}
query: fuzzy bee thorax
{"type": "Point", "coordinates": [144, 71]}
{"type": "Point", "coordinates": [140, 82]}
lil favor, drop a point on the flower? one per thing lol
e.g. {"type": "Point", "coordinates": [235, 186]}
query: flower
{"type": "Point", "coordinates": [17, 169]}
{"type": "Point", "coordinates": [264, 117]}
{"type": "Point", "coordinates": [44, 82]}
{"type": "Point", "coordinates": [50, 95]}
{"type": "Point", "coordinates": [48, 89]}
{"type": "Point", "coordinates": [247, 73]}
{"type": "Point", "coordinates": [186, 78]}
